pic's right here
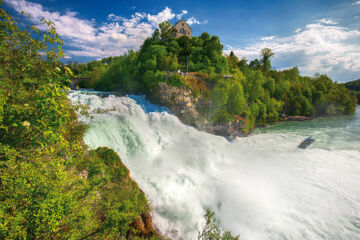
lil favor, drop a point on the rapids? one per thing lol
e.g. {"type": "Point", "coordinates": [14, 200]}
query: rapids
{"type": "Point", "coordinates": [261, 186]}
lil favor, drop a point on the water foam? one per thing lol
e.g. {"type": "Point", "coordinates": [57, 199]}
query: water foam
{"type": "Point", "coordinates": [261, 187]}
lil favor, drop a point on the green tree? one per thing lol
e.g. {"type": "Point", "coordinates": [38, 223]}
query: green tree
{"type": "Point", "coordinates": [236, 101]}
{"type": "Point", "coordinates": [255, 64]}
{"type": "Point", "coordinates": [266, 55]}
{"type": "Point", "coordinates": [156, 35]}
{"type": "Point", "coordinates": [211, 230]}
{"type": "Point", "coordinates": [165, 30]}
{"type": "Point", "coordinates": [233, 60]}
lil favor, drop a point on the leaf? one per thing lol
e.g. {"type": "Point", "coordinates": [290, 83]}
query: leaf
{"type": "Point", "coordinates": [26, 124]}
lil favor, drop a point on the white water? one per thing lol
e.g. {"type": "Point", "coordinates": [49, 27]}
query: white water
{"type": "Point", "coordinates": [261, 187]}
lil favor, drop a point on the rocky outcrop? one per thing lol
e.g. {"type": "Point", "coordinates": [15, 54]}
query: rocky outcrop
{"type": "Point", "coordinates": [143, 227]}
{"type": "Point", "coordinates": [230, 130]}
{"type": "Point", "coordinates": [296, 118]}
{"type": "Point", "coordinates": [179, 100]}
{"type": "Point", "coordinates": [186, 107]}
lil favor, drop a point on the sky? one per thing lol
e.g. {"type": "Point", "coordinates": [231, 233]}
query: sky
{"type": "Point", "coordinates": [317, 36]}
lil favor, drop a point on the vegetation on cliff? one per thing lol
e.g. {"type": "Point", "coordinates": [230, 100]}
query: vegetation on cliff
{"type": "Point", "coordinates": [354, 86]}
{"type": "Point", "coordinates": [231, 87]}
{"type": "Point", "coordinates": [52, 186]}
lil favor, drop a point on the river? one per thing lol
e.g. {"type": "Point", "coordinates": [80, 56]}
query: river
{"type": "Point", "coordinates": [261, 186]}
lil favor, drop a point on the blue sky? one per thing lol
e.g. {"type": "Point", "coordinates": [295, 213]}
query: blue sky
{"type": "Point", "coordinates": [316, 36]}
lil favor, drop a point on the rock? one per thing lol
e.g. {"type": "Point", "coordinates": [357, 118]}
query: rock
{"type": "Point", "coordinates": [143, 227]}
{"type": "Point", "coordinates": [185, 106]}
{"type": "Point", "coordinates": [140, 226]}
{"type": "Point", "coordinates": [147, 219]}
{"type": "Point", "coordinates": [297, 118]}
{"type": "Point", "coordinates": [179, 100]}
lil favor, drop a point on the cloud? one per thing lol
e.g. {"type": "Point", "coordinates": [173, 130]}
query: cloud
{"type": "Point", "coordinates": [328, 21]}
{"type": "Point", "coordinates": [356, 3]}
{"type": "Point", "coordinates": [164, 15]}
{"type": "Point", "coordinates": [267, 38]}
{"type": "Point", "coordinates": [323, 46]}
{"type": "Point", "coordinates": [65, 24]}
{"type": "Point", "coordinates": [183, 12]}
{"type": "Point", "coordinates": [193, 20]}
{"type": "Point", "coordinates": [113, 17]}
{"type": "Point", "coordinates": [87, 38]}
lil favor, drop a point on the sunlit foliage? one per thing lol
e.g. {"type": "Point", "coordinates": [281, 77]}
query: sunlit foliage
{"type": "Point", "coordinates": [51, 185]}
{"type": "Point", "coordinates": [231, 86]}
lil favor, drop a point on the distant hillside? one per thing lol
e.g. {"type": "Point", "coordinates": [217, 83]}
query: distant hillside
{"type": "Point", "coordinates": [354, 85]}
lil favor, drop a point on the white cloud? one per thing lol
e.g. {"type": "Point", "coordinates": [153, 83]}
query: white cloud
{"type": "Point", "coordinates": [328, 21]}
{"type": "Point", "coordinates": [356, 3]}
{"type": "Point", "coordinates": [193, 20]}
{"type": "Point", "coordinates": [324, 47]}
{"type": "Point", "coordinates": [183, 12]}
{"type": "Point", "coordinates": [267, 38]}
{"type": "Point", "coordinates": [86, 38]}
{"type": "Point", "coordinates": [164, 15]}
{"type": "Point", "coordinates": [66, 25]}
{"type": "Point", "coordinates": [113, 17]}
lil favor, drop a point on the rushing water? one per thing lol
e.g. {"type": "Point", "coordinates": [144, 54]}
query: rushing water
{"type": "Point", "coordinates": [261, 186]}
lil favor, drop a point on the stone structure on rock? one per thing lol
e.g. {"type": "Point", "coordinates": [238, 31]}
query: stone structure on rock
{"type": "Point", "coordinates": [181, 28]}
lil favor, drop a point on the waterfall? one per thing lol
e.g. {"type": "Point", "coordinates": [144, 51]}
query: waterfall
{"type": "Point", "coordinates": [261, 186]}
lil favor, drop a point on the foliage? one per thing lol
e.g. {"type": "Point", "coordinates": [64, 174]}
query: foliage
{"type": "Point", "coordinates": [116, 199]}
{"type": "Point", "coordinates": [159, 59]}
{"type": "Point", "coordinates": [266, 54]}
{"type": "Point", "coordinates": [120, 74]}
{"type": "Point", "coordinates": [211, 230]}
{"type": "Point", "coordinates": [165, 30]}
{"type": "Point", "coordinates": [51, 186]}
{"type": "Point", "coordinates": [230, 86]}
{"type": "Point", "coordinates": [355, 86]}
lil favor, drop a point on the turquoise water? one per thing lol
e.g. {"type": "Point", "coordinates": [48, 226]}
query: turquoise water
{"type": "Point", "coordinates": [341, 132]}
{"type": "Point", "coordinates": [261, 186]}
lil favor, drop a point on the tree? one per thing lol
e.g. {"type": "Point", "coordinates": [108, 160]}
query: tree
{"type": "Point", "coordinates": [255, 64]}
{"type": "Point", "coordinates": [166, 30]}
{"type": "Point", "coordinates": [156, 35]}
{"type": "Point", "coordinates": [242, 64]}
{"type": "Point", "coordinates": [211, 230]}
{"type": "Point", "coordinates": [236, 101]}
{"type": "Point", "coordinates": [205, 36]}
{"type": "Point", "coordinates": [266, 54]}
{"type": "Point", "coordinates": [233, 60]}
{"type": "Point", "coordinates": [44, 191]}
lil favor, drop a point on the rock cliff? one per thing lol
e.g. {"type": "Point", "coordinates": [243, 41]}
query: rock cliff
{"type": "Point", "coordinates": [191, 110]}
{"type": "Point", "coordinates": [179, 100]}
